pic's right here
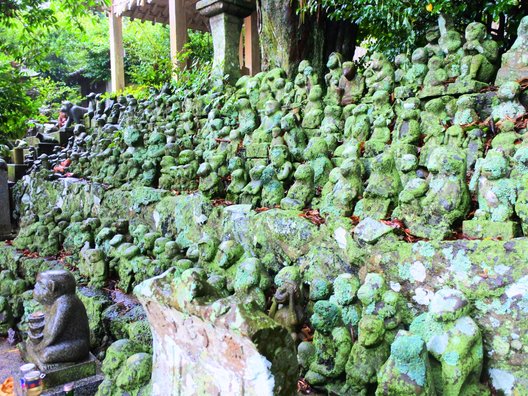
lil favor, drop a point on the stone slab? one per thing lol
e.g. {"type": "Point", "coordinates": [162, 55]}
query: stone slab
{"type": "Point", "coordinates": [62, 374]}
{"type": "Point", "coordinates": [490, 229]}
{"type": "Point", "coordinates": [84, 387]}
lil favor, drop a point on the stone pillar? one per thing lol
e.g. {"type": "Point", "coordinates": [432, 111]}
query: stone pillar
{"type": "Point", "coordinates": [226, 18]}
{"type": "Point", "coordinates": [5, 211]}
{"type": "Point", "coordinates": [207, 347]}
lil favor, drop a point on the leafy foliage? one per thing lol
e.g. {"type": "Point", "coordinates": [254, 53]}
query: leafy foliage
{"type": "Point", "coordinates": [394, 26]}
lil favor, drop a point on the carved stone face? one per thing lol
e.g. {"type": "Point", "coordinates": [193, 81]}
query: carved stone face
{"type": "Point", "coordinates": [42, 293]}
{"type": "Point", "coordinates": [371, 331]}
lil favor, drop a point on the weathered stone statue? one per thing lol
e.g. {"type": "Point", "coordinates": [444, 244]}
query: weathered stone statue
{"type": "Point", "coordinates": [333, 92]}
{"type": "Point", "coordinates": [447, 199]}
{"type": "Point", "coordinates": [367, 356]}
{"type": "Point", "coordinates": [509, 105]}
{"type": "Point", "coordinates": [287, 302]}
{"type": "Point", "coordinates": [342, 190]}
{"type": "Point", "coordinates": [481, 55]}
{"type": "Point", "coordinates": [332, 343]}
{"type": "Point", "coordinates": [382, 190]}
{"type": "Point", "coordinates": [449, 332]}
{"type": "Point", "coordinates": [63, 334]}
{"type": "Point", "coordinates": [496, 194]}
{"type": "Point", "coordinates": [302, 191]}
{"type": "Point", "coordinates": [380, 74]}
{"type": "Point", "coordinates": [351, 83]}
{"type": "Point", "coordinates": [407, 371]}
{"type": "Point", "coordinates": [515, 61]}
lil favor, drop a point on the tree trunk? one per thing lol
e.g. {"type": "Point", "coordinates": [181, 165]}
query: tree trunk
{"type": "Point", "coordinates": [284, 40]}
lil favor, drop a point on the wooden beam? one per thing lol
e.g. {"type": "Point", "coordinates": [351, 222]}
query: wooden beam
{"type": "Point", "coordinates": [117, 53]}
{"type": "Point", "coordinates": [252, 48]}
{"type": "Point", "coordinates": [178, 29]}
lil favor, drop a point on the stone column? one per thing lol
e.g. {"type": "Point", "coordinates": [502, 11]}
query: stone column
{"type": "Point", "coordinates": [5, 211]}
{"type": "Point", "coordinates": [226, 18]}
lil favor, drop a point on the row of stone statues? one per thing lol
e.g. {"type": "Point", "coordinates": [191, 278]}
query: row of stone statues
{"type": "Point", "coordinates": [372, 143]}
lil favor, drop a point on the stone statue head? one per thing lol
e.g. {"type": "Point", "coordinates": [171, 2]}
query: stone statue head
{"type": "Point", "coordinates": [494, 166]}
{"type": "Point", "coordinates": [508, 90]}
{"type": "Point", "coordinates": [419, 55]}
{"type": "Point", "coordinates": [450, 42]}
{"type": "Point", "coordinates": [53, 284]}
{"type": "Point", "coordinates": [372, 288]}
{"type": "Point", "coordinates": [334, 60]}
{"type": "Point", "coordinates": [345, 288]}
{"type": "Point", "coordinates": [349, 70]}
{"type": "Point", "coordinates": [371, 331]}
{"type": "Point", "coordinates": [475, 31]}
{"type": "Point", "coordinates": [326, 316]}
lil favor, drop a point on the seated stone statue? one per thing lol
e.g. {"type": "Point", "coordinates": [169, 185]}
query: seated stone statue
{"type": "Point", "coordinates": [333, 92]}
{"type": "Point", "coordinates": [448, 332]}
{"type": "Point", "coordinates": [332, 343]}
{"type": "Point", "coordinates": [481, 55]}
{"type": "Point", "coordinates": [514, 61]}
{"type": "Point", "coordinates": [351, 83]}
{"type": "Point", "coordinates": [64, 336]}
{"type": "Point", "coordinates": [407, 371]}
{"type": "Point", "coordinates": [509, 105]}
{"type": "Point", "coordinates": [381, 74]}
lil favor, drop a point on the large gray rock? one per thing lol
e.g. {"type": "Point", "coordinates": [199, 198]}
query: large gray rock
{"type": "Point", "coordinates": [214, 347]}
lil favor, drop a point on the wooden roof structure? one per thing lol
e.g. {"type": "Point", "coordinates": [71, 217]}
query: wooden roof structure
{"type": "Point", "coordinates": [157, 11]}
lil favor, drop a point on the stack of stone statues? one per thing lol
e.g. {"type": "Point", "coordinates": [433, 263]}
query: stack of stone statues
{"type": "Point", "coordinates": [388, 140]}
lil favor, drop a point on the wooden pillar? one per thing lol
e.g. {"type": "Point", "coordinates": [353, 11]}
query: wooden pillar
{"type": "Point", "coordinates": [252, 49]}
{"type": "Point", "coordinates": [178, 29]}
{"type": "Point", "coordinates": [117, 53]}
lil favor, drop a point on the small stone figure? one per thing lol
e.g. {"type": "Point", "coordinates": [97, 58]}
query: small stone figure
{"type": "Point", "coordinates": [316, 153]}
{"type": "Point", "coordinates": [367, 356]}
{"type": "Point", "coordinates": [343, 189]}
{"type": "Point", "coordinates": [514, 62]}
{"type": "Point", "coordinates": [302, 191]}
{"type": "Point", "coordinates": [416, 74]}
{"type": "Point", "coordinates": [455, 341]}
{"type": "Point", "coordinates": [294, 136]}
{"type": "Point", "coordinates": [351, 83]}
{"type": "Point", "coordinates": [447, 199]}
{"type": "Point", "coordinates": [451, 44]}
{"type": "Point", "coordinates": [333, 92]}
{"type": "Point", "coordinates": [345, 289]}
{"type": "Point", "coordinates": [313, 113]}
{"type": "Point", "coordinates": [251, 282]}
{"type": "Point", "coordinates": [63, 336]}
{"type": "Point", "coordinates": [478, 64]}
{"type": "Point", "coordinates": [509, 105]}
{"type": "Point", "coordinates": [286, 307]}
{"type": "Point", "coordinates": [381, 74]}
{"type": "Point", "coordinates": [407, 130]}
{"type": "Point", "coordinates": [357, 126]}
{"type": "Point", "coordinates": [496, 194]}
{"type": "Point", "coordinates": [435, 78]}
{"type": "Point", "coordinates": [402, 64]}
{"type": "Point", "coordinates": [382, 190]}
{"type": "Point", "coordinates": [251, 192]}
{"type": "Point", "coordinates": [332, 344]}
{"type": "Point", "coordinates": [407, 371]}
{"type": "Point", "coordinates": [495, 191]}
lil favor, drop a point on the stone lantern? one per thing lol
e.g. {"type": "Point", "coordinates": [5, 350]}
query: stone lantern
{"type": "Point", "coordinates": [226, 18]}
